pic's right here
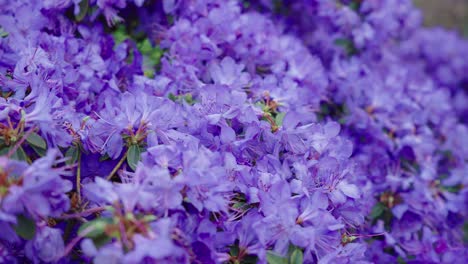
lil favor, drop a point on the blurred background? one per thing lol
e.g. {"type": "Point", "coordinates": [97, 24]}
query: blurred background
{"type": "Point", "coordinates": [447, 13]}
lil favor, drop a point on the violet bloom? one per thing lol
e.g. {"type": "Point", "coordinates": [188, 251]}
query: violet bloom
{"type": "Point", "coordinates": [334, 128]}
{"type": "Point", "coordinates": [42, 191]}
{"type": "Point", "coordinates": [46, 246]}
{"type": "Point", "coordinates": [140, 115]}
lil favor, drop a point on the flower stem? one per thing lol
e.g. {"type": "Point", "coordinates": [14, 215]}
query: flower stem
{"type": "Point", "coordinates": [75, 241]}
{"type": "Point", "coordinates": [78, 178]}
{"type": "Point", "coordinates": [116, 168]}
{"type": "Point", "coordinates": [82, 214]}
{"type": "Point", "coordinates": [19, 143]}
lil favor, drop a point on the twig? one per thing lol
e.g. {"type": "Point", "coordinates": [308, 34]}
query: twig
{"type": "Point", "coordinates": [19, 143]}
{"type": "Point", "coordinates": [116, 168]}
{"type": "Point", "coordinates": [75, 241]}
{"type": "Point", "coordinates": [78, 177]}
{"type": "Point", "coordinates": [84, 213]}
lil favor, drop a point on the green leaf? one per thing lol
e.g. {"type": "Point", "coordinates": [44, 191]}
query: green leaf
{"type": "Point", "coordinates": [189, 99]}
{"type": "Point", "coordinates": [343, 42]}
{"type": "Point", "coordinates": [453, 189]}
{"type": "Point", "coordinates": [150, 73]}
{"type": "Point", "coordinates": [3, 191]}
{"type": "Point", "coordinates": [400, 260]}
{"type": "Point", "coordinates": [279, 7]}
{"type": "Point", "coordinates": [149, 218]}
{"type": "Point", "coordinates": [120, 35]}
{"type": "Point", "coordinates": [104, 157]}
{"type": "Point", "coordinates": [342, 121]}
{"type": "Point", "coordinates": [133, 156]}
{"type": "Point", "coordinates": [84, 5]}
{"type": "Point", "coordinates": [234, 251]}
{"type": "Point", "coordinates": [97, 226]}
{"type": "Point", "coordinates": [40, 152]}
{"type": "Point", "coordinates": [152, 55]}
{"type": "Point", "coordinates": [20, 155]}
{"type": "Point", "coordinates": [25, 227]}
{"type": "Point", "coordinates": [250, 259]}
{"type": "Point", "coordinates": [172, 97]}
{"type": "Point", "coordinates": [72, 153]}
{"type": "Point", "coordinates": [296, 257]}
{"type": "Point", "coordinates": [279, 118]}
{"type": "Point", "coordinates": [377, 211]}
{"type": "Point", "coordinates": [101, 240]}
{"type": "Point", "coordinates": [355, 5]}
{"type": "Point", "coordinates": [145, 47]}
{"type": "Point", "coordinates": [3, 33]}
{"type": "Point", "coordinates": [4, 151]}
{"type": "Point", "coordinates": [170, 19]}
{"type": "Point", "coordinates": [272, 258]}
{"type": "Point", "coordinates": [35, 140]}
{"type": "Point", "coordinates": [130, 55]}
{"type": "Point", "coordinates": [347, 45]}
{"type": "Point", "coordinates": [465, 232]}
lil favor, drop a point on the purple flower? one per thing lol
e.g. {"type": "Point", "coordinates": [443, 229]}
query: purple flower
{"type": "Point", "coordinates": [227, 72]}
{"type": "Point", "coordinates": [41, 191]}
{"type": "Point", "coordinates": [167, 249]}
{"type": "Point", "coordinates": [140, 115]}
{"type": "Point", "coordinates": [327, 131]}
{"type": "Point", "coordinates": [46, 246]}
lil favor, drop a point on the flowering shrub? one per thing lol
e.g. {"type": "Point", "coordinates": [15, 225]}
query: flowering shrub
{"type": "Point", "coordinates": [223, 131]}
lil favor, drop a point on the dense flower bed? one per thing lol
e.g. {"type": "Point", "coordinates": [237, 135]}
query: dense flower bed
{"type": "Point", "coordinates": [222, 131]}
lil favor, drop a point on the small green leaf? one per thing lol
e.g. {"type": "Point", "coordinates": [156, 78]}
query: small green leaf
{"type": "Point", "coordinates": [150, 73]}
{"type": "Point", "coordinates": [296, 257]}
{"type": "Point", "coordinates": [84, 5]}
{"type": "Point", "coordinates": [172, 97]}
{"type": "Point", "coordinates": [133, 156]}
{"type": "Point", "coordinates": [238, 205]}
{"type": "Point", "coordinates": [104, 157]}
{"type": "Point", "coordinates": [149, 218]}
{"type": "Point", "coordinates": [355, 5]}
{"type": "Point", "coordinates": [400, 260]}
{"type": "Point", "coordinates": [343, 42]}
{"type": "Point", "coordinates": [465, 232]}
{"type": "Point", "coordinates": [35, 140]}
{"type": "Point", "coordinates": [4, 151]}
{"type": "Point", "coordinates": [20, 155]}
{"type": "Point", "coordinates": [101, 240]}
{"type": "Point", "coordinates": [234, 251]}
{"type": "Point", "coordinates": [130, 55]}
{"type": "Point", "coordinates": [72, 153]}
{"type": "Point", "coordinates": [453, 189]}
{"type": "Point", "coordinates": [279, 118]}
{"type": "Point", "coordinates": [189, 99]}
{"type": "Point", "coordinates": [377, 211]}
{"type": "Point", "coordinates": [347, 45]}
{"type": "Point", "coordinates": [170, 19]}
{"type": "Point", "coordinates": [40, 152]}
{"type": "Point", "coordinates": [97, 226]}
{"type": "Point", "coordinates": [272, 258]}
{"type": "Point", "coordinates": [342, 121]}
{"type": "Point", "coordinates": [145, 47]}
{"type": "Point", "coordinates": [25, 227]}
{"type": "Point", "coordinates": [120, 35]}
{"type": "Point", "coordinates": [3, 33]}
{"type": "Point", "coordinates": [3, 191]}
{"type": "Point", "coordinates": [250, 259]}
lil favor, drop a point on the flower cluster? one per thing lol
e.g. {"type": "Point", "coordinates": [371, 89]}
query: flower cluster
{"type": "Point", "coordinates": [226, 131]}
